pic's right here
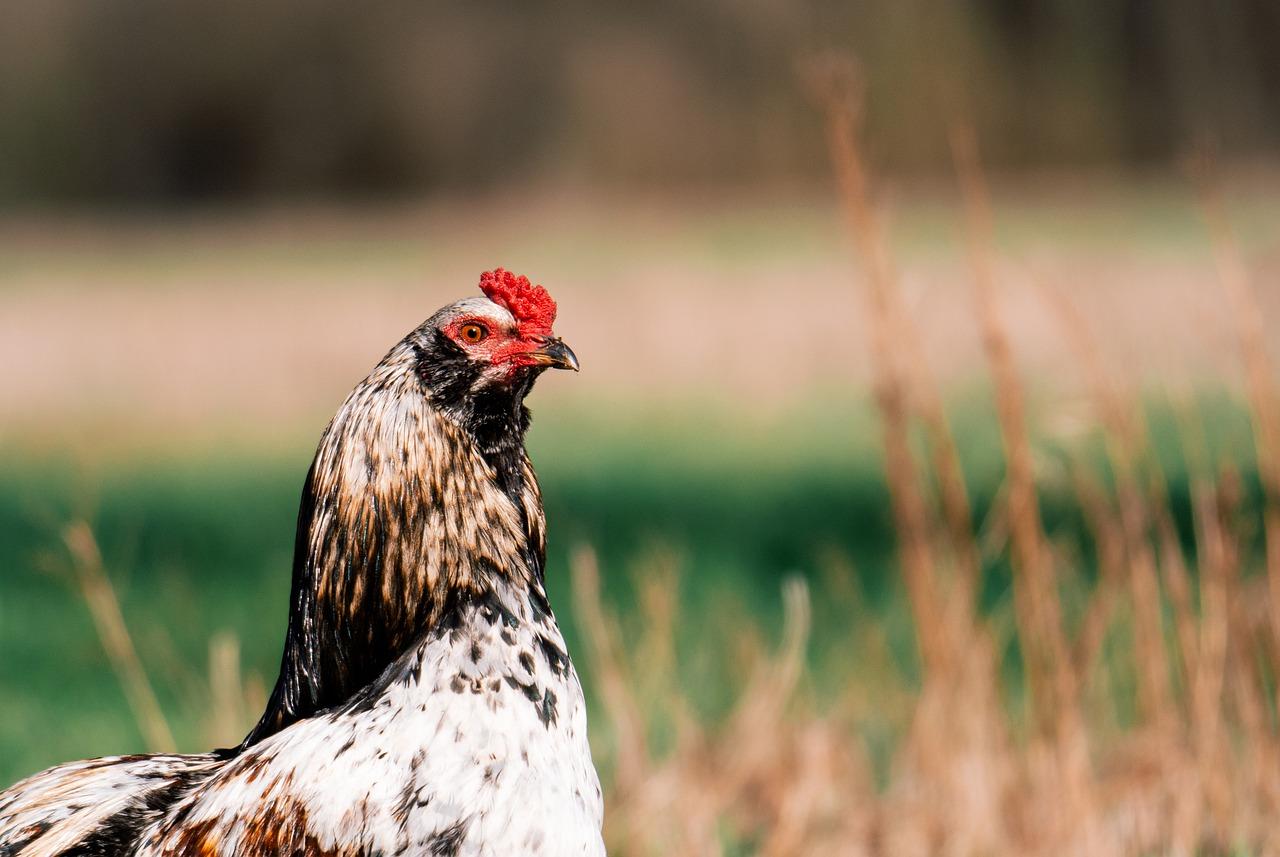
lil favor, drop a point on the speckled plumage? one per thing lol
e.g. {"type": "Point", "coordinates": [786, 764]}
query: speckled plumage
{"type": "Point", "coordinates": [472, 744]}
{"type": "Point", "coordinates": [426, 702]}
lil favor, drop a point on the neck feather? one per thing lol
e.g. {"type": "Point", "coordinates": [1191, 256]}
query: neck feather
{"type": "Point", "coordinates": [407, 508]}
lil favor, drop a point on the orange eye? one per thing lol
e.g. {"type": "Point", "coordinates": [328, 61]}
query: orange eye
{"type": "Point", "coordinates": [473, 332]}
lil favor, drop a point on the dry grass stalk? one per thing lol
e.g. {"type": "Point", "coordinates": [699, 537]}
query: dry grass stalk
{"type": "Point", "coordinates": [1264, 405]}
{"type": "Point", "coordinates": [1249, 679]}
{"type": "Point", "coordinates": [607, 665]}
{"type": "Point", "coordinates": [1046, 651]}
{"type": "Point", "coordinates": [1207, 681]}
{"type": "Point", "coordinates": [775, 773]}
{"type": "Point", "coordinates": [232, 701]}
{"type": "Point", "coordinates": [1101, 519]}
{"type": "Point", "coordinates": [1125, 435]}
{"type": "Point", "coordinates": [1178, 584]}
{"type": "Point", "coordinates": [956, 726]}
{"type": "Point", "coordinates": [840, 92]}
{"type": "Point", "coordinates": [99, 595]}
{"type": "Point", "coordinates": [1177, 577]}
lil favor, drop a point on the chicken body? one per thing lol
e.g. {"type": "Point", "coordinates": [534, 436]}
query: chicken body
{"type": "Point", "coordinates": [426, 702]}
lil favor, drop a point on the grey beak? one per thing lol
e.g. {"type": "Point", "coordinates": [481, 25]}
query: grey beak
{"type": "Point", "coordinates": [557, 355]}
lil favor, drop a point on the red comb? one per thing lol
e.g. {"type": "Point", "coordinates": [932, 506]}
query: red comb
{"type": "Point", "coordinates": [532, 307]}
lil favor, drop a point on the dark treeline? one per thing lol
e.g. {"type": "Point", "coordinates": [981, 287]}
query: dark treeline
{"type": "Point", "coordinates": [172, 100]}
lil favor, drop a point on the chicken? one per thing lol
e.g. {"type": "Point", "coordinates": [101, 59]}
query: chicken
{"type": "Point", "coordinates": [426, 702]}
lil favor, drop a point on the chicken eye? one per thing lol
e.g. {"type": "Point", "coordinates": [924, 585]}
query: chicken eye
{"type": "Point", "coordinates": [473, 332]}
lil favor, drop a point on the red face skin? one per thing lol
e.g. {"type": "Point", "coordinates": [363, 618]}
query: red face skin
{"type": "Point", "coordinates": [501, 347]}
{"type": "Point", "coordinates": [517, 336]}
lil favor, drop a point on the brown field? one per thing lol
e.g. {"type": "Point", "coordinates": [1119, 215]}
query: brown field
{"type": "Point", "coordinates": [224, 322]}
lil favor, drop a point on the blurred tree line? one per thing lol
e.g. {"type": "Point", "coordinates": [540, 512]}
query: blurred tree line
{"type": "Point", "coordinates": [172, 100]}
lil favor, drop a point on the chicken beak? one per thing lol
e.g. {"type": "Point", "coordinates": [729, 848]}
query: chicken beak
{"type": "Point", "coordinates": [556, 354]}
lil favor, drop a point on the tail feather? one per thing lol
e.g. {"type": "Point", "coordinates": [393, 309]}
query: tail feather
{"type": "Point", "coordinates": [96, 807]}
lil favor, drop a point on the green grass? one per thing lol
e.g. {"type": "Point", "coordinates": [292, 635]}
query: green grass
{"type": "Point", "coordinates": [203, 543]}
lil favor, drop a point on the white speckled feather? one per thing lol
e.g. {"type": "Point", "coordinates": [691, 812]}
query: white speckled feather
{"type": "Point", "coordinates": [72, 801]}
{"type": "Point", "coordinates": [452, 755]}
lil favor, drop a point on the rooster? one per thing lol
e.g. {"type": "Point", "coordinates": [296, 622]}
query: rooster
{"type": "Point", "coordinates": [426, 702]}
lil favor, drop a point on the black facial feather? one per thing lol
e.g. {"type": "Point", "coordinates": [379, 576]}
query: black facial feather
{"type": "Point", "coordinates": [446, 371]}
{"type": "Point", "coordinates": [493, 415]}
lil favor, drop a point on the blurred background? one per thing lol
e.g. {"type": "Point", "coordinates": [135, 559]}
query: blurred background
{"type": "Point", "coordinates": [215, 218]}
